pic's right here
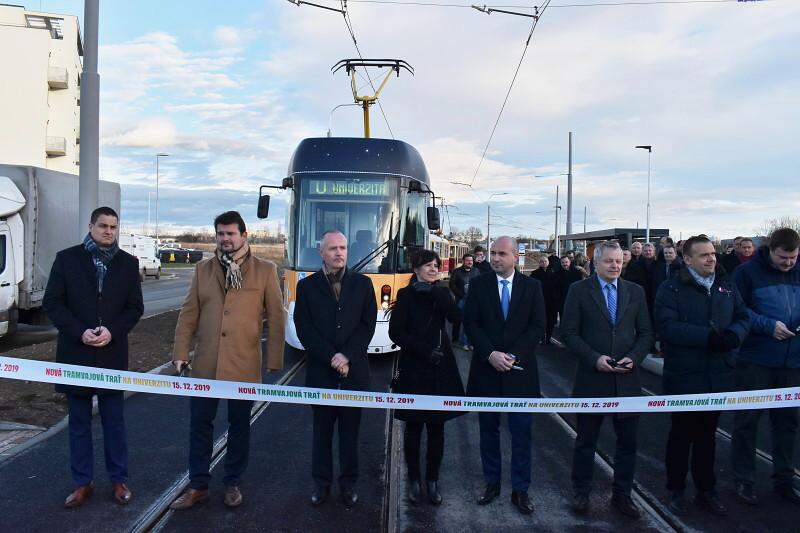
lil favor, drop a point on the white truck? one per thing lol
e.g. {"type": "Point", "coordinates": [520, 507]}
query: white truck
{"type": "Point", "coordinates": [38, 217]}
{"type": "Point", "coordinates": [145, 250]}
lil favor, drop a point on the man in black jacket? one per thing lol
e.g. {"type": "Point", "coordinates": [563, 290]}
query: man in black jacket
{"type": "Point", "coordinates": [607, 326]}
{"type": "Point", "coordinates": [94, 298]}
{"type": "Point", "coordinates": [548, 280]}
{"type": "Point", "coordinates": [481, 262]}
{"type": "Point", "coordinates": [504, 319]}
{"type": "Point", "coordinates": [459, 285]}
{"type": "Point", "coordinates": [335, 314]}
{"type": "Point", "coordinates": [701, 318]}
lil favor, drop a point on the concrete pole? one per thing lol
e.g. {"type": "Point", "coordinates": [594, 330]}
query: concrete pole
{"type": "Point", "coordinates": [647, 231]}
{"type": "Point", "coordinates": [569, 194]}
{"type": "Point", "coordinates": [89, 174]}
{"type": "Point", "coordinates": [556, 233]}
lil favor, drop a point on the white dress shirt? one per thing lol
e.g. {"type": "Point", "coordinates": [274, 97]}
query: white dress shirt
{"type": "Point", "coordinates": [500, 285]}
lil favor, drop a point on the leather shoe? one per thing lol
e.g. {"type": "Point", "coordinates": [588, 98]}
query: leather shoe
{"type": "Point", "coordinates": [744, 492]}
{"type": "Point", "coordinates": [788, 493]}
{"type": "Point", "coordinates": [580, 503]}
{"type": "Point", "coordinates": [233, 497]}
{"type": "Point", "coordinates": [521, 501]}
{"type": "Point", "coordinates": [624, 504]}
{"type": "Point", "coordinates": [709, 501]}
{"type": "Point", "coordinates": [414, 492]}
{"type": "Point", "coordinates": [434, 496]}
{"type": "Point", "coordinates": [349, 497]}
{"type": "Point", "coordinates": [189, 498]}
{"type": "Point", "coordinates": [121, 492]}
{"type": "Point", "coordinates": [677, 503]}
{"type": "Point", "coordinates": [79, 496]}
{"type": "Point", "coordinates": [492, 491]}
{"type": "Point", "coordinates": [319, 495]}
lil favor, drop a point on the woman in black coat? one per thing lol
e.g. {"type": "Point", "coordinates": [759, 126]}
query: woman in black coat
{"type": "Point", "coordinates": [427, 366]}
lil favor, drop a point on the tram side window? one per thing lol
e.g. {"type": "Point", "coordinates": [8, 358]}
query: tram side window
{"type": "Point", "coordinates": [2, 253]}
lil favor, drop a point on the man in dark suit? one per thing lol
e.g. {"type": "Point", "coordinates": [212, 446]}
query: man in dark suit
{"type": "Point", "coordinates": [607, 326]}
{"type": "Point", "coordinates": [504, 319]}
{"type": "Point", "coordinates": [548, 280]}
{"type": "Point", "coordinates": [94, 298]}
{"type": "Point", "coordinates": [335, 314]}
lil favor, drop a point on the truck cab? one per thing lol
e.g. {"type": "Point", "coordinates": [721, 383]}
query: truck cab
{"type": "Point", "coordinates": [11, 254]}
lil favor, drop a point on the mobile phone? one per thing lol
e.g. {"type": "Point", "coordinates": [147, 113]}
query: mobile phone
{"type": "Point", "coordinates": [515, 366]}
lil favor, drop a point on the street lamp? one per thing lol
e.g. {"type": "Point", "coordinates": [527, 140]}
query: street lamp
{"type": "Point", "coordinates": [149, 195]}
{"type": "Point", "coordinates": [649, 153]}
{"type": "Point", "coordinates": [158, 155]}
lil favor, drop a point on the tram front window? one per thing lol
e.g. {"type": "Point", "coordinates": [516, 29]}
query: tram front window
{"type": "Point", "coordinates": [363, 209]}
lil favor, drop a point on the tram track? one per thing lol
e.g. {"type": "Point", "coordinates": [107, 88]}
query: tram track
{"type": "Point", "coordinates": [646, 500]}
{"type": "Point", "coordinates": [391, 495]}
{"type": "Point", "coordinates": [155, 517]}
{"type": "Point", "coordinates": [761, 454]}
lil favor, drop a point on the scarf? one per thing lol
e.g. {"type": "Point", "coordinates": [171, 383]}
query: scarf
{"type": "Point", "coordinates": [706, 283]}
{"type": "Point", "coordinates": [101, 257]}
{"type": "Point", "coordinates": [335, 279]}
{"type": "Point", "coordinates": [231, 263]}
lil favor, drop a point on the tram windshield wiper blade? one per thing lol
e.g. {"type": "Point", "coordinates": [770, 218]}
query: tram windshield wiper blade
{"type": "Point", "coordinates": [370, 256]}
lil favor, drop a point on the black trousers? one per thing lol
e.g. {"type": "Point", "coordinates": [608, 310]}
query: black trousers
{"type": "Point", "coordinates": [551, 313]}
{"type": "Point", "coordinates": [201, 441]}
{"type": "Point", "coordinates": [695, 434]}
{"type": "Point", "coordinates": [586, 445]}
{"type": "Point", "coordinates": [412, 444]}
{"type": "Point", "coordinates": [456, 331]}
{"type": "Point", "coordinates": [349, 420]}
{"type": "Point", "coordinates": [783, 425]}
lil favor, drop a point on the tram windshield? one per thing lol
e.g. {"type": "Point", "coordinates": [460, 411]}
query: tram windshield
{"type": "Point", "coordinates": [365, 209]}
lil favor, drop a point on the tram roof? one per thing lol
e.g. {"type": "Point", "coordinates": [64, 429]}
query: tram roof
{"type": "Point", "coordinates": [356, 154]}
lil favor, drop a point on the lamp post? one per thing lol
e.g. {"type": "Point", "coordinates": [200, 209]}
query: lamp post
{"type": "Point", "coordinates": [649, 154]}
{"type": "Point", "coordinates": [149, 195]}
{"type": "Point", "coordinates": [158, 155]}
{"type": "Point", "coordinates": [488, 216]}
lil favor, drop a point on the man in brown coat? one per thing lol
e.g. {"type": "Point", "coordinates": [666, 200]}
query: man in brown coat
{"type": "Point", "coordinates": [224, 309]}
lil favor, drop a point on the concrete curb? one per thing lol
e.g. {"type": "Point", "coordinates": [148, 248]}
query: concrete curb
{"type": "Point", "coordinates": [165, 369]}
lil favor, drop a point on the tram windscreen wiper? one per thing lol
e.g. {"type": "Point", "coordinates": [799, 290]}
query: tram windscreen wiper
{"type": "Point", "coordinates": [370, 256]}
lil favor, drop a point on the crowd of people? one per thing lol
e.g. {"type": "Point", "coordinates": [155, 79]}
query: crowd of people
{"type": "Point", "coordinates": [724, 323]}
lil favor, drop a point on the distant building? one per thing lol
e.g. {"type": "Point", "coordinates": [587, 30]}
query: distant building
{"type": "Point", "coordinates": [40, 68]}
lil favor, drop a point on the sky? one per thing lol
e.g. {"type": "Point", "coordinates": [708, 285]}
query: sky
{"type": "Point", "coordinates": [229, 89]}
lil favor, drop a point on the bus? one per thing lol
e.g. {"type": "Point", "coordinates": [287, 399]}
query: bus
{"type": "Point", "coordinates": [377, 193]}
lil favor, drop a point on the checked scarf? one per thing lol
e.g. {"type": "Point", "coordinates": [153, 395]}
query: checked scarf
{"type": "Point", "coordinates": [230, 264]}
{"type": "Point", "coordinates": [101, 257]}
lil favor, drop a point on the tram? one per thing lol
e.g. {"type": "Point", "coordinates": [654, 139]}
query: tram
{"type": "Point", "coordinates": [377, 193]}
{"type": "Point", "coordinates": [450, 252]}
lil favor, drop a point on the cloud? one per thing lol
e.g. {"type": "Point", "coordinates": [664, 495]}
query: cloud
{"type": "Point", "coordinates": [234, 37]}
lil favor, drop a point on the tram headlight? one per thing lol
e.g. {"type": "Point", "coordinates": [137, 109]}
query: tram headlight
{"type": "Point", "coordinates": [386, 296]}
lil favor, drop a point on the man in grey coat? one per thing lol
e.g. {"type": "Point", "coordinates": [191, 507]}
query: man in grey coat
{"type": "Point", "coordinates": [607, 326]}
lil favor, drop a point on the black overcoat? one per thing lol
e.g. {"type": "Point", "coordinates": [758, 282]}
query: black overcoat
{"type": "Point", "coordinates": [588, 332]}
{"type": "Point", "coordinates": [685, 314]}
{"type": "Point", "coordinates": [548, 280]}
{"type": "Point", "coordinates": [519, 335]}
{"type": "Point", "coordinates": [72, 303]}
{"type": "Point", "coordinates": [326, 326]}
{"type": "Point", "coordinates": [417, 326]}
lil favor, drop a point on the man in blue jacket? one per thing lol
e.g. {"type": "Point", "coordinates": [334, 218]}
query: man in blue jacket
{"type": "Point", "coordinates": [769, 359]}
{"type": "Point", "coordinates": [701, 318]}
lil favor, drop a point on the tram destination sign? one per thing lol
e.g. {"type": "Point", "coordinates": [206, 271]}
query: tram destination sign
{"type": "Point", "coordinates": [346, 187]}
